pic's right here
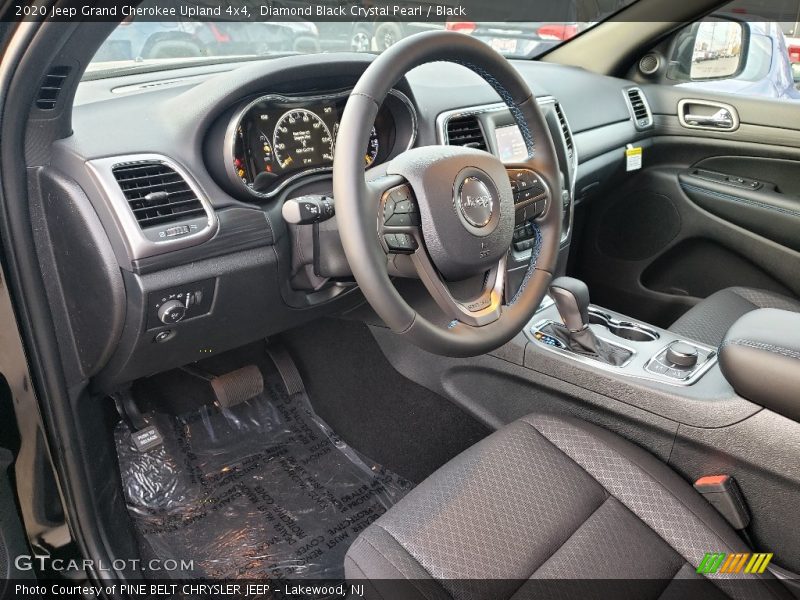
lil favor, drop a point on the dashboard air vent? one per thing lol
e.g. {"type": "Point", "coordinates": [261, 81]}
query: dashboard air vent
{"type": "Point", "coordinates": [465, 131]}
{"type": "Point", "coordinates": [51, 88]}
{"type": "Point", "coordinates": [639, 108]}
{"type": "Point", "coordinates": [562, 120]}
{"type": "Point", "coordinates": [156, 193]}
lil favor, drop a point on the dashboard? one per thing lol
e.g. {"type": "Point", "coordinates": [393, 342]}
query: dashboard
{"type": "Point", "coordinates": [182, 194]}
{"type": "Point", "coordinates": [273, 140]}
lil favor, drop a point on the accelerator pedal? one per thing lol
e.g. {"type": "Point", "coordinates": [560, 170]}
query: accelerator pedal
{"type": "Point", "coordinates": [287, 369]}
{"type": "Point", "coordinates": [232, 388]}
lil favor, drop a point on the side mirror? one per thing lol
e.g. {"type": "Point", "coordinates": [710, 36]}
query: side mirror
{"type": "Point", "coordinates": [717, 52]}
{"type": "Point", "coordinates": [708, 50]}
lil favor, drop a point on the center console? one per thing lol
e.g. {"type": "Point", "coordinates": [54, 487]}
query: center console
{"type": "Point", "coordinates": [567, 324]}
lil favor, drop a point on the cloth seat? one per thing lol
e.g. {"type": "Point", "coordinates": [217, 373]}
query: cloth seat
{"type": "Point", "coordinates": [544, 500]}
{"type": "Point", "coordinates": [709, 321]}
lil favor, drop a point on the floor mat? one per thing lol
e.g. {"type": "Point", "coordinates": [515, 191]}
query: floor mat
{"type": "Point", "coordinates": [263, 490]}
{"type": "Point", "coordinates": [401, 424]}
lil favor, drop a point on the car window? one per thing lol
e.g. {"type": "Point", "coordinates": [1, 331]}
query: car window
{"type": "Point", "coordinates": [138, 43]}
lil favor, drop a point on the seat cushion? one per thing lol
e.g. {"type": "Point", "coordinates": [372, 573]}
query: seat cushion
{"type": "Point", "coordinates": [709, 321]}
{"type": "Point", "coordinates": [544, 499]}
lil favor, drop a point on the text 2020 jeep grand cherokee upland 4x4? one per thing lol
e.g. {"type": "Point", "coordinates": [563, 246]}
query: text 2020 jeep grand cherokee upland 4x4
{"type": "Point", "coordinates": [311, 325]}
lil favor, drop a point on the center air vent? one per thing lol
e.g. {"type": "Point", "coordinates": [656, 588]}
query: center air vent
{"type": "Point", "coordinates": [562, 120]}
{"type": "Point", "coordinates": [157, 194]}
{"type": "Point", "coordinates": [642, 117]}
{"type": "Point", "coordinates": [465, 131]}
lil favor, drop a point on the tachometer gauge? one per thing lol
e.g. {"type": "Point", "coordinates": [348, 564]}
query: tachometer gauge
{"type": "Point", "coordinates": [301, 139]}
{"type": "Point", "coordinates": [372, 148]}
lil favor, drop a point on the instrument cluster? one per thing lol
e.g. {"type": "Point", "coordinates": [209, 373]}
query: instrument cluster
{"type": "Point", "coordinates": [274, 140]}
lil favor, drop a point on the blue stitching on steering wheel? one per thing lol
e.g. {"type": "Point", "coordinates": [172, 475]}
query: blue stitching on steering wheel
{"type": "Point", "coordinates": [505, 95]}
{"type": "Point", "coordinates": [516, 113]}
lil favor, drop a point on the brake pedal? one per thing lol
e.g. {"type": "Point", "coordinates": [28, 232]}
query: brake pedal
{"type": "Point", "coordinates": [145, 437]}
{"type": "Point", "coordinates": [232, 388]}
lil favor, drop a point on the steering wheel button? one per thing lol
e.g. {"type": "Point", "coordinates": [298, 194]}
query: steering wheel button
{"type": "Point", "coordinates": [403, 207]}
{"type": "Point", "coordinates": [391, 241]}
{"type": "Point", "coordinates": [399, 220]}
{"type": "Point", "coordinates": [405, 242]}
{"type": "Point", "coordinates": [523, 195]}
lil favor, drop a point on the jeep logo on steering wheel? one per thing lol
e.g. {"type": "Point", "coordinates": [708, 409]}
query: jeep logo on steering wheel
{"type": "Point", "coordinates": [475, 202]}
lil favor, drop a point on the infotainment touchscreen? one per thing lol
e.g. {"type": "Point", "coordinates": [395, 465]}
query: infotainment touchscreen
{"type": "Point", "coordinates": [510, 144]}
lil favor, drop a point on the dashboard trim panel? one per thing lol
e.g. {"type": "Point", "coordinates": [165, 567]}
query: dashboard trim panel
{"type": "Point", "coordinates": [233, 125]}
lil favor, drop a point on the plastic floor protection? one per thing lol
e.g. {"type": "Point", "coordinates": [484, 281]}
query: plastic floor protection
{"type": "Point", "coordinates": [265, 490]}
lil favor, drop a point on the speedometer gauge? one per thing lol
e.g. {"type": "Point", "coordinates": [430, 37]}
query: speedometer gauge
{"type": "Point", "coordinates": [301, 139]}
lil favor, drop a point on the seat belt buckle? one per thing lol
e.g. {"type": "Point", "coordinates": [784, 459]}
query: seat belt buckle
{"type": "Point", "coordinates": [723, 493]}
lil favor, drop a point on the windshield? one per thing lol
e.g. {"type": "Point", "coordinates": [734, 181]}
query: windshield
{"type": "Point", "coordinates": [142, 43]}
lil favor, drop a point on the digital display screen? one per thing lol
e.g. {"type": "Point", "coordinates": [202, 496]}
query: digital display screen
{"type": "Point", "coordinates": [277, 140]}
{"type": "Point", "coordinates": [510, 144]}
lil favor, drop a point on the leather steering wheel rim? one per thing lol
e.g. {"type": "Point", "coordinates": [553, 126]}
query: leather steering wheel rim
{"type": "Point", "coordinates": [357, 211]}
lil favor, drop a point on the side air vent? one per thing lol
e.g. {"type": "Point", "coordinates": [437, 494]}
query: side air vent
{"type": "Point", "coordinates": [157, 194]}
{"type": "Point", "coordinates": [642, 117]}
{"type": "Point", "coordinates": [465, 131]}
{"type": "Point", "coordinates": [51, 88]}
{"type": "Point", "coordinates": [562, 119]}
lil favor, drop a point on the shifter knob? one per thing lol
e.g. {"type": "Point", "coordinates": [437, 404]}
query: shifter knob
{"type": "Point", "coordinates": [572, 301]}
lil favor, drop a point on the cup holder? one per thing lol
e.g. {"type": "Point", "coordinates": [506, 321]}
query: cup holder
{"type": "Point", "coordinates": [626, 330]}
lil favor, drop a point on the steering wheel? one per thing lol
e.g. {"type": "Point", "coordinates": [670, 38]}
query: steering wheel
{"type": "Point", "coordinates": [451, 209]}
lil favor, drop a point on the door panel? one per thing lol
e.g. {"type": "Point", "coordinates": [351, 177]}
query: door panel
{"type": "Point", "coordinates": [755, 204]}
{"type": "Point", "coordinates": [662, 238]}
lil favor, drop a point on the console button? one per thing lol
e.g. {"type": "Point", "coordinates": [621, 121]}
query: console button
{"type": "Point", "coordinates": [657, 368]}
{"type": "Point", "coordinates": [682, 355]}
{"type": "Point", "coordinates": [677, 373]}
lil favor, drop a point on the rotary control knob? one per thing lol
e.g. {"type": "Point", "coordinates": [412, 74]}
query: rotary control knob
{"type": "Point", "coordinates": [682, 354]}
{"type": "Point", "coordinates": [171, 311]}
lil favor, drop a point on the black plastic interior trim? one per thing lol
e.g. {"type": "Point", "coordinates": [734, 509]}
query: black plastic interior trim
{"type": "Point", "coordinates": [239, 229]}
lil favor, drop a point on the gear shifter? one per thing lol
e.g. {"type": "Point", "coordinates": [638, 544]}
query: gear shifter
{"type": "Point", "coordinates": [571, 297]}
{"type": "Point", "coordinates": [572, 300]}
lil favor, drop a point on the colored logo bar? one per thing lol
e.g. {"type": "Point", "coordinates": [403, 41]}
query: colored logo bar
{"type": "Point", "coordinates": [721, 562]}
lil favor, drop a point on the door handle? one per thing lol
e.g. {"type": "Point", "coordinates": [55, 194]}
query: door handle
{"type": "Point", "coordinates": [722, 119]}
{"type": "Point", "coordinates": [705, 114]}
